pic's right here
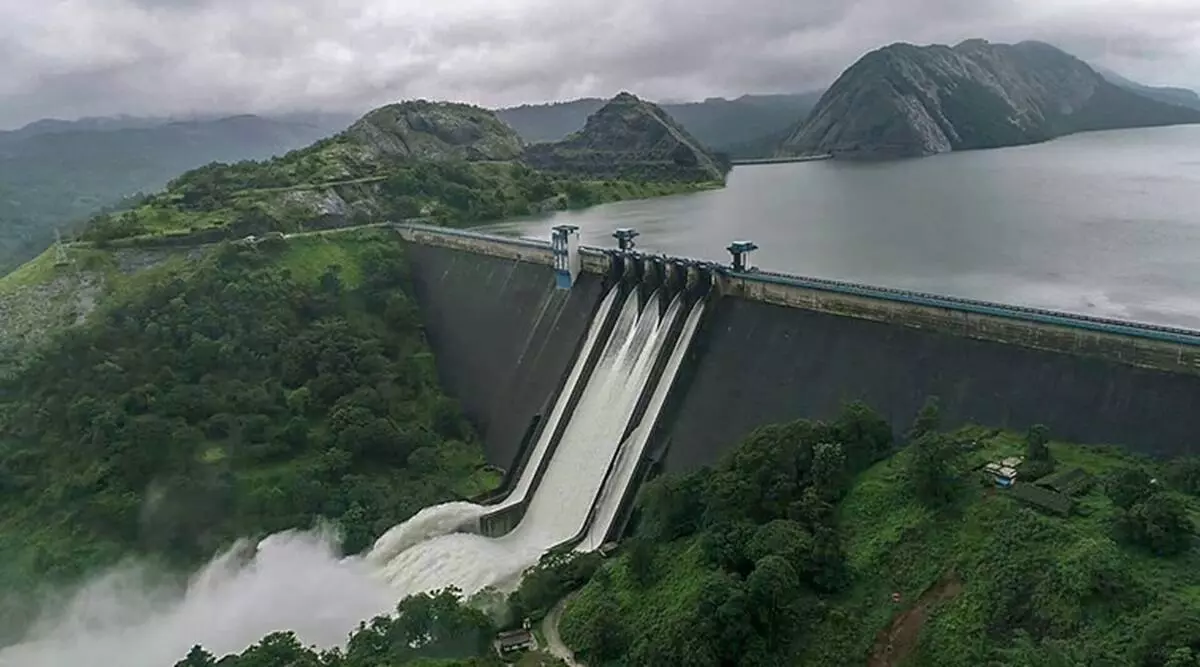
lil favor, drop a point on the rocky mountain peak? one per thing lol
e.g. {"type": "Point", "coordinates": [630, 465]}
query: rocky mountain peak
{"type": "Point", "coordinates": [421, 129]}
{"type": "Point", "coordinates": [906, 100]}
{"type": "Point", "coordinates": [629, 136]}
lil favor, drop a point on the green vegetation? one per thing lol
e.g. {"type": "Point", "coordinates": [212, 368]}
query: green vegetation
{"type": "Point", "coordinates": [56, 174]}
{"type": "Point", "coordinates": [247, 392]}
{"type": "Point", "coordinates": [795, 549]}
{"type": "Point", "coordinates": [457, 166]}
{"type": "Point", "coordinates": [426, 631]}
{"type": "Point", "coordinates": [318, 187]}
{"type": "Point", "coordinates": [738, 559]}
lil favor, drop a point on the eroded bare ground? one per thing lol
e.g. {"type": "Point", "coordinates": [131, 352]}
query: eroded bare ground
{"type": "Point", "coordinates": [898, 641]}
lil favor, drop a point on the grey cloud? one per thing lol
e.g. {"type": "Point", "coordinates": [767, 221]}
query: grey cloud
{"type": "Point", "coordinates": [180, 56]}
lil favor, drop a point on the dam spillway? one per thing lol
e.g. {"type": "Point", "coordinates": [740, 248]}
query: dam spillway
{"type": "Point", "coordinates": [577, 466]}
{"type": "Point", "coordinates": [774, 347]}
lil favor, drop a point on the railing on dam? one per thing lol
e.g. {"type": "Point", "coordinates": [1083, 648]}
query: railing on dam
{"type": "Point", "coordinates": [1039, 316]}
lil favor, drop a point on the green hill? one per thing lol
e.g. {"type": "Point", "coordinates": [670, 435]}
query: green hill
{"type": "Point", "coordinates": [245, 391]}
{"type": "Point", "coordinates": [452, 163]}
{"type": "Point", "coordinates": [55, 174]}
{"type": "Point", "coordinates": [785, 554]}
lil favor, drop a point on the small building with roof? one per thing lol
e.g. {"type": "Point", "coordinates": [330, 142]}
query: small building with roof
{"type": "Point", "coordinates": [514, 641]}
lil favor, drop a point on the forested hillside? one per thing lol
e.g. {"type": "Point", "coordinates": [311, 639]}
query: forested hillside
{"type": "Point", "coordinates": [248, 392]}
{"type": "Point", "coordinates": [819, 544]}
{"type": "Point", "coordinates": [796, 550]}
{"type": "Point", "coordinates": [56, 174]}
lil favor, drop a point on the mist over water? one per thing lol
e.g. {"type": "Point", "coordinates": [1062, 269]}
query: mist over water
{"type": "Point", "coordinates": [296, 581]}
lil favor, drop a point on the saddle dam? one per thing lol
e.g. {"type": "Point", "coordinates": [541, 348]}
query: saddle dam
{"type": "Point", "coordinates": [585, 369]}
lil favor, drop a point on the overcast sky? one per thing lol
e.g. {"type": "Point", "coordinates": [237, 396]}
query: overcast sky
{"type": "Point", "coordinates": [69, 58]}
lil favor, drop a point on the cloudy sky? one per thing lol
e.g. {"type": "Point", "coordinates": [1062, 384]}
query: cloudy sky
{"type": "Point", "coordinates": [69, 58]}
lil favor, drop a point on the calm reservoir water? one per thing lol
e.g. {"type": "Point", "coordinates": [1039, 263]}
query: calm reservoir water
{"type": "Point", "coordinates": [1105, 223]}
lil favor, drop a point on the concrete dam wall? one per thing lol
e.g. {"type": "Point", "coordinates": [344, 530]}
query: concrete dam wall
{"type": "Point", "coordinates": [775, 348]}
{"type": "Point", "coordinates": [759, 363]}
{"type": "Point", "coordinates": [502, 334]}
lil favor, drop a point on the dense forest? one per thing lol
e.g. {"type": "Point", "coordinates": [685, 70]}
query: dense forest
{"type": "Point", "coordinates": [246, 393]}
{"type": "Point", "coordinates": [796, 550]}
{"type": "Point", "coordinates": [820, 544]}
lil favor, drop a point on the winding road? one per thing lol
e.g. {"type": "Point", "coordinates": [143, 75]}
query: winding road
{"type": "Point", "coordinates": [554, 642]}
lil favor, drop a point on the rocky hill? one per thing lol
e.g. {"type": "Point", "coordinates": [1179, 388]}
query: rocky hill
{"type": "Point", "coordinates": [749, 126]}
{"type": "Point", "coordinates": [1169, 94]}
{"type": "Point", "coordinates": [629, 138]}
{"type": "Point", "coordinates": [436, 131]}
{"type": "Point", "coordinates": [905, 100]}
{"type": "Point", "coordinates": [451, 163]}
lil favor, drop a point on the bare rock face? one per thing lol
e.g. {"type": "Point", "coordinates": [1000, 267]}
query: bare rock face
{"type": "Point", "coordinates": [629, 138]}
{"type": "Point", "coordinates": [905, 100]}
{"type": "Point", "coordinates": [435, 131]}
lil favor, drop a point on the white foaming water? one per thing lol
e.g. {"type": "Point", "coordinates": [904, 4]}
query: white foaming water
{"type": "Point", "coordinates": [631, 451]}
{"type": "Point", "coordinates": [559, 507]}
{"type": "Point", "coordinates": [429, 522]}
{"type": "Point", "coordinates": [297, 581]}
{"type": "Point", "coordinates": [560, 406]}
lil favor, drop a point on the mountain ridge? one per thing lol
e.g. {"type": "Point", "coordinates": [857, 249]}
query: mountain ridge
{"type": "Point", "coordinates": [904, 100]}
{"type": "Point", "coordinates": [1170, 94]}
{"type": "Point", "coordinates": [55, 174]}
{"type": "Point", "coordinates": [736, 126]}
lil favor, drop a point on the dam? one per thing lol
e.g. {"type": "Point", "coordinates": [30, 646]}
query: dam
{"type": "Point", "coordinates": [773, 347]}
{"type": "Point", "coordinates": [584, 369]}
{"type": "Point", "coordinates": [574, 468]}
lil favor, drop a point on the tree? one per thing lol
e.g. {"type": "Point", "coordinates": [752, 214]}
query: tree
{"type": "Point", "coordinates": [602, 635]}
{"type": "Point", "coordinates": [197, 657]}
{"type": "Point", "coordinates": [640, 560]}
{"type": "Point", "coordinates": [930, 471]}
{"type": "Point", "coordinates": [786, 539]}
{"type": "Point", "coordinates": [864, 434]}
{"type": "Point", "coordinates": [1038, 460]}
{"type": "Point", "coordinates": [928, 420]}
{"type": "Point", "coordinates": [773, 591]}
{"type": "Point", "coordinates": [1160, 523]}
{"type": "Point", "coordinates": [1183, 656]}
{"type": "Point", "coordinates": [829, 473]}
{"type": "Point", "coordinates": [671, 506]}
{"type": "Point", "coordinates": [1128, 486]}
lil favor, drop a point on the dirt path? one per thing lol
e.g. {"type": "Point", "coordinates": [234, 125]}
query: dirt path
{"type": "Point", "coordinates": [550, 629]}
{"type": "Point", "coordinates": [895, 644]}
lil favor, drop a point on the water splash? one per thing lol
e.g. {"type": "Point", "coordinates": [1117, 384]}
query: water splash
{"type": "Point", "coordinates": [294, 581]}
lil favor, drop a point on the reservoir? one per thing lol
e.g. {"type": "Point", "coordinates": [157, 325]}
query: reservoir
{"type": "Point", "coordinates": [1104, 223]}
